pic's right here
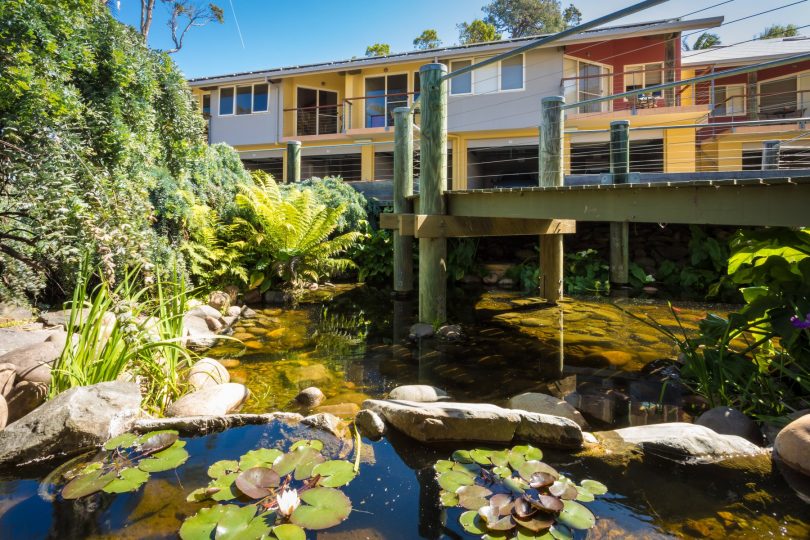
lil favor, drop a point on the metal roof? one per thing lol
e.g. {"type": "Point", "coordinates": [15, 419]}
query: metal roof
{"type": "Point", "coordinates": [747, 53]}
{"type": "Point", "coordinates": [608, 32]}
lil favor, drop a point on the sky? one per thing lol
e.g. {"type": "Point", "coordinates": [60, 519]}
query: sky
{"type": "Point", "coordinates": [261, 34]}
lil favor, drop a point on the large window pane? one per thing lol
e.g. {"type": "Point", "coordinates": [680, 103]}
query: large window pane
{"type": "Point", "coordinates": [463, 83]}
{"type": "Point", "coordinates": [327, 112]}
{"type": "Point", "coordinates": [512, 73]}
{"type": "Point", "coordinates": [375, 102]}
{"type": "Point", "coordinates": [243, 99]}
{"type": "Point", "coordinates": [306, 121]}
{"type": "Point", "coordinates": [777, 99]}
{"type": "Point", "coordinates": [486, 79]}
{"type": "Point", "coordinates": [206, 105]}
{"type": "Point", "coordinates": [260, 97]}
{"type": "Point", "coordinates": [397, 94]}
{"type": "Point", "coordinates": [225, 101]}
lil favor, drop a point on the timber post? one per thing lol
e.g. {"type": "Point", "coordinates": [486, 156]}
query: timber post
{"type": "Point", "coordinates": [293, 161]}
{"type": "Point", "coordinates": [403, 188]}
{"type": "Point", "coordinates": [770, 155]}
{"type": "Point", "coordinates": [551, 175]}
{"type": "Point", "coordinates": [619, 231]}
{"type": "Point", "coordinates": [432, 182]}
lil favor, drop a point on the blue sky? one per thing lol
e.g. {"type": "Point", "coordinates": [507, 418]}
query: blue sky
{"type": "Point", "coordinates": [283, 32]}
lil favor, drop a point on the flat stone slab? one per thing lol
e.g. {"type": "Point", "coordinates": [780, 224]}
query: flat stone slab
{"type": "Point", "coordinates": [17, 338]}
{"type": "Point", "coordinates": [683, 442]}
{"type": "Point", "coordinates": [189, 426]}
{"type": "Point", "coordinates": [475, 422]}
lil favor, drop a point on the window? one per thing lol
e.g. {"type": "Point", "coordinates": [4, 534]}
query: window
{"type": "Point", "coordinates": [463, 83]}
{"type": "Point", "coordinates": [317, 112]}
{"type": "Point", "coordinates": [205, 105]}
{"type": "Point", "coordinates": [225, 101]}
{"type": "Point", "coordinates": [777, 99]}
{"type": "Point", "coordinates": [383, 95]}
{"type": "Point", "coordinates": [512, 73]}
{"type": "Point", "coordinates": [243, 99]}
{"type": "Point", "coordinates": [641, 76]}
{"type": "Point", "coordinates": [729, 100]}
{"type": "Point", "coordinates": [260, 97]}
{"type": "Point", "coordinates": [485, 79]}
{"type": "Point", "coordinates": [417, 85]}
{"type": "Point", "coordinates": [585, 80]}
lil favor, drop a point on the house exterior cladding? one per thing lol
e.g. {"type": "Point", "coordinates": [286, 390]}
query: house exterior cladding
{"type": "Point", "coordinates": [780, 94]}
{"type": "Point", "coordinates": [342, 111]}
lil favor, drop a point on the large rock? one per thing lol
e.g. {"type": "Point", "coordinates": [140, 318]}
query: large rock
{"type": "Point", "coordinates": [17, 338]}
{"type": "Point", "coordinates": [3, 413]}
{"type": "Point", "coordinates": [326, 422]}
{"type": "Point", "coordinates": [214, 400]}
{"type": "Point", "coordinates": [683, 443]}
{"type": "Point", "coordinates": [369, 424]}
{"type": "Point", "coordinates": [474, 422]}
{"type": "Point", "coordinates": [196, 334]}
{"type": "Point", "coordinates": [33, 363]}
{"type": "Point", "coordinates": [207, 372]}
{"type": "Point", "coordinates": [74, 420]}
{"type": "Point", "coordinates": [792, 445]}
{"type": "Point", "coordinates": [544, 404]}
{"type": "Point", "coordinates": [728, 421]}
{"type": "Point", "coordinates": [421, 393]}
{"type": "Point", "coordinates": [8, 376]}
{"type": "Point", "coordinates": [310, 397]}
{"type": "Point", "coordinates": [14, 313]}
{"type": "Point", "coordinates": [24, 398]}
{"type": "Point", "coordinates": [219, 300]}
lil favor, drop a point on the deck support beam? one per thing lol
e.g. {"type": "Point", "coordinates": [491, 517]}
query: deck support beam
{"type": "Point", "coordinates": [620, 231]}
{"type": "Point", "coordinates": [551, 175]}
{"type": "Point", "coordinates": [293, 162]}
{"type": "Point", "coordinates": [403, 188]}
{"type": "Point", "coordinates": [432, 182]}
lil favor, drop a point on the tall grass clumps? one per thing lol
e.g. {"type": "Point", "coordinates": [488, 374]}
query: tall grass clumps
{"type": "Point", "coordinates": [132, 330]}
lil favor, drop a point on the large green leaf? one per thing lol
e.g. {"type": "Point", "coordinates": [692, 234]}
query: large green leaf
{"type": "Point", "coordinates": [576, 516]}
{"type": "Point", "coordinates": [165, 460]}
{"type": "Point", "coordinates": [452, 480]}
{"type": "Point", "coordinates": [263, 457]}
{"type": "Point", "coordinates": [257, 481]}
{"type": "Point", "coordinates": [289, 531]}
{"type": "Point", "coordinates": [201, 525]}
{"type": "Point", "coordinates": [87, 484]}
{"type": "Point", "coordinates": [241, 524]}
{"type": "Point", "coordinates": [128, 480]}
{"type": "Point", "coordinates": [335, 473]}
{"type": "Point", "coordinates": [324, 508]}
{"type": "Point", "coordinates": [225, 485]}
{"type": "Point", "coordinates": [125, 440]}
{"type": "Point", "coordinates": [221, 468]}
{"type": "Point", "coordinates": [303, 457]}
{"type": "Point", "coordinates": [594, 487]}
{"type": "Point", "coordinates": [472, 522]}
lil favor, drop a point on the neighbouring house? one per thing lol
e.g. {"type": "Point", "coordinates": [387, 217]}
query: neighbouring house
{"type": "Point", "coordinates": [342, 111]}
{"type": "Point", "coordinates": [779, 95]}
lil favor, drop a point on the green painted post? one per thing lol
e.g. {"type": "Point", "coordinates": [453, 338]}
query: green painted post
{"type": "Point", "coordinates": [620, 173]}
{"type": "Point", "coordinates": [403, 188]}
{"type": "Point", "coordinates": [551, 175]}
{"type": "Point", "coordinates": [293, 161]}
{"type": "Point", "coordinates": [432, 180]}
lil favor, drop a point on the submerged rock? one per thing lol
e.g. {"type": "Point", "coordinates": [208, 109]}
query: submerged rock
{"type": "Point", "coordinates": [369, 424]}
{"type": "Point", "coordinates": [728, 421]}
{"type": "Point", "coordinates": [211, 401]}
{"type": "Point", "coordinates": [207, 372]}
{"type": "Point", "coordinates": [420, 330]}
{"type": "Point", "coordinates": [476, 422]}
{"type": "Point", "coordinates": [74, 420]}
{"type": "Point", "coordinates": [310, 397]}
{"type": "Point", "coordinates": [326, 422]}
{"type": "Point", "coordinates": [544, 404]}
{"type": "Point", "coordinates": [342, 410]}
{"type": "Point", "coordinates": [792, 445]}
{"type": "Point", "coordinates": [421, 393]}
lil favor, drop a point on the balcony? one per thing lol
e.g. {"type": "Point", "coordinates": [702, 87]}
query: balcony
{"type": "Point", "coordinates": [318, 120]}
{"type": "Point", "coordinates": [375, 112]}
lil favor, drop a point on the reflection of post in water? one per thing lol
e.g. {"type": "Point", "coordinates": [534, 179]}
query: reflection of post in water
{"type": "Point", "coordinates": [560, 352]}
{"type": "Point", "coordinates": [429, 357]}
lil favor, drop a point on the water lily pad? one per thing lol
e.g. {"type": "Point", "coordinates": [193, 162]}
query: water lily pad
{"type": "Point", "coordinates": [443, 465]}
{"type": "Point", "coordinates": [157, 440]}
{"type": "Point", "coordinates": [472, 522]}
{"type": "Point", "coordinates": [165, 460]}
{"type": "Point", "coordinates": [325, 507]}
{"type": "Point", "coordinates": [501, 504]}
{"type": "Point", "coordinates": [257, 481]}
{"type": "Point", "coordinates": [473, 497]}
{"type": "Point", "coordinates": [304, 457]}
{"type": "Point", "coordinates": [524, 508]}
{"type": "Point", "coordinates": [500, 458]}
{"type": "Point", "coordinates": [560, 532]}
{"type": "Point", "coordinates": [225, 487]}
{"type": "Point", "coordinates": [198, 495]}
{"type": "Point", "coordinates": [314, 443]}
{"type": "Point", "coordinates": [263, 457]}
{"type": "Point", "coordinates": [241, 523]}
{"type": "Point", "coordinates": [481, 456]}
{"type": "Point", "coordinates": [528, 451]}
{"type": "Point", "coordinates": [453, 480]}
{"type": "Point", "coordinates": [503, 472]}
{"type": "Point", "coordinates": [563, 489]}
{"type": "Point", "coordinates": [288, 531]}
{"type": "Point", "coordinates": [536, 523]}
{"type": "Point", "coordinates": [202, 524]}
{"type": "Point", "coordinates": [86, 484]}
{"type": "Point", "coordinates": [526, 534]}
{"type": "Point", "coordinates": [498, 535]}
{"type": "Point", "coordinates": [462, 456]}
{"type": "Point", "coordinates": [584, 496]}
{"type": "Point", "coordinates": [548, 503]}
{"type": "Point", "coordinates": [125, 440]}
{"type": "Point", "coordinates": [529, 468]}
{"type": "Point", "coordinates": [594, 487]}
{"type": "Point", "coordinates": [515, 485]}
{"type": "Point", "coordinates": [221, 468]}
{"type": "Point", "coordinates": [540, 480]}
{"type": "Point", "coordinates": [335, 473]}
{"type": "Point", "coordinates": [448, 499]}
{"type": "Point", "coordinates": [128, 480]}
{"type": "Point", "coordinates": [576, 516]}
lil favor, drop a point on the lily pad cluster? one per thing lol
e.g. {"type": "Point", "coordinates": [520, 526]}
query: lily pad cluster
{"type": "Point", "coordinates": [275, 495]}
{"type": "Point", "coordinates": [511, 494]}
{"type": "Point", "coordinates": [123, 465]}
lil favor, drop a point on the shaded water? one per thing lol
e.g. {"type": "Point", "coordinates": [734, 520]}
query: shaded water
{"type": "Point", "coordinates": [356, 346]}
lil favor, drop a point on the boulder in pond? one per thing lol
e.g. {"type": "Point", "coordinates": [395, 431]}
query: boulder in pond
{"type": "Point", "coordinates": [421, 393]}
{"type": "Point", "coordinates": [76, 419]}
{"type": "Point", "coordinates": [683, 443]}
{"type": "Point", "coordinates": [326, 422]}
{"type": "Point", "coordinates": [8, 376]}
{"type": "Point", "coordinates": [235, 311]}
{"type": "Point", "coordinates": [248, 313]}
{"type": "Point", "coordinates": [475, 422]}
{"type": "Point", "coordinates": [792, 445]}
{"type": "Point", "coordinates": [369, 424]}
{"type": "Point", "coordinates": [310, 397]}
{"type": "Point", "coordinates": [420, 330]}
{"type": "Point", "coordinates": [545, 404]}
{"type": "Point", "coordinates": [207, 372]}
{"type": "Point", "coordinates": [197, 335]}
{"type": "Point", "coordinates": [24, 398]}
{"type": "Point", "coordinates": [212, 401]}
{"type": "Point", "coordinates": [341, 410]}
{"type": "Point", "coordinates": [728, 421]}
{"type": "Point", "coordinates": [219, 300]}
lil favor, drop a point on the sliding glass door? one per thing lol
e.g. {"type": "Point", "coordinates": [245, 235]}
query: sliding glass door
{"type": "Point", "coordinates": [317, 112]}
{"type": "Point", "coordinates": [383, 95]}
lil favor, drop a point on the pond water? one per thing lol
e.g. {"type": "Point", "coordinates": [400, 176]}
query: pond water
{"type": "Point", "coordinates": [356, 346]}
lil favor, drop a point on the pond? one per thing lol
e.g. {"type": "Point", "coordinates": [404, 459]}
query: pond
{"type": "Point", "coordinates": [353, 344]}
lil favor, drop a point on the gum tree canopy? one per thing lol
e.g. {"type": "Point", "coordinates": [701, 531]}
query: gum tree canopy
{"type": "Point", "coordinates": [101, 147]}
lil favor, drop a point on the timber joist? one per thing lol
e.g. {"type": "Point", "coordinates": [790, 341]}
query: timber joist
{"type": "Point", "coordinates": [440, 226]}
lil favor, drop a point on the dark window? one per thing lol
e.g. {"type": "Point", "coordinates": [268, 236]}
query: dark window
{"type": "Point", "coordinates": [307, 115]}
{"type": "Point", "coordinates": [225, 101]}
{"type": "Point", "coordinates": [272, 166]}
{"type": "Point", "coordinates": [260, 98]}
{"type": "Point", "coordinates": [243, 99]}
{"type": "Point", "coordinates": [594, 158]}
{"type": "Point", "coordinates": [347, 166]}
{"type": "Point", "coordinates": [502, 167]}
{"type": "Point", "coordinates": [206, 105]}
{"type": "Point", "coordinates": [777, 99]}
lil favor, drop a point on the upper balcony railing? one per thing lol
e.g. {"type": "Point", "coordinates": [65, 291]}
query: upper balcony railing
{"type": "Point", "coordinates": [377, 109]}
{"type": "Point", "coordinates": [318, 120]}
{"type": "Point", "coordinates": [766, 106]}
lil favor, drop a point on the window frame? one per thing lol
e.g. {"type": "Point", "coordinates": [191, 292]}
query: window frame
{"type": "Point", "coordinates": [522, 78]}
{"type": "Point", "coordinates": [627, 67]}
{"type": "Point", "coordinates": [233, 100]}
{"type": "Point", "coordinates": [317, 91]}
{"type": "Point", "coordinates": [499, 76]}
{"type": "Point", "coordinates": [472, 77]}
{"type": "Point", "coordinates": [743, 97]}
{"type": "Point", "coordinates": [796, 76]}
{"type": "Point", "coordinates": [252, 98]}
{"type": "Point", "coordinates": [385, 75]}
{"type": "Point", "coordinates": [605, 106]}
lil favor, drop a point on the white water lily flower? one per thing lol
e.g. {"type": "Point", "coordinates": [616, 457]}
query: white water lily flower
{"type": "Point", "coordinates": [287, 501]}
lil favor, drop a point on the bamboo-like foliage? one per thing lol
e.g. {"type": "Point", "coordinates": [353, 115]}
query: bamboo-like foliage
{"type": "Point", "coordinates": [288, 237]}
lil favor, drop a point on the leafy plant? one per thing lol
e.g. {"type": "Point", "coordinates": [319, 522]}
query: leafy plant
{"type": "Point", "coordinates": [586, 271]}
{"type": "Point", "coordinates": [638, 277]}
{"type": "Point", "coordinates": [526, 275]}
{"type": "Point", "coordinates": [338, 334]}
{"type": "Point", "coordinates": [123, 465]}
{"type": "Point", "coordinates": [374, 256]}
{"type": "Point", "coordinates": [332, 192]}
{"type": "Point", "coordinates": [461, 257]}
{"type": "Point", "coordinates": [512, 494]}
{"type": "Point", "coordinates": [289, 493]}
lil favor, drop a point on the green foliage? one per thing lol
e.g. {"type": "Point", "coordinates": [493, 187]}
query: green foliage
{"type": "Point", "coordinates": [779, 31]}
{"type": "Point", "coordinates": [522, 18]}
{"type": "Point", "coordinates": [461, 257]}
{"type": "Point", "coordinates": [526, 275]}
{"type": "Point", "coordinates": [429, 39]}
{"type": "Point", "coordinates": [374, 256]}
{"type": "Point", "coordinates": [477, 31]}
{"type": "Point", "coordinates": [638, 277]}
{"type": "Point", "coordinates": [333, 192]}
{"type": "Point", "coordinates": [287, 239]}
{"type": "Point", "coordinates": [703, 276]}
{"type": "Point", "coordinates": [512, 494]}
{"type": "Point", "coordinates": [378, 49]}
{"type": "Point", "coordinates": [706, 40]}
{"type": "Point", "coordinates": [586, 272]}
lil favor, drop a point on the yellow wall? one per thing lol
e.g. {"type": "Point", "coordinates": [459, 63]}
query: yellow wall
{"type": "Point", "coordinates": [679, 150]}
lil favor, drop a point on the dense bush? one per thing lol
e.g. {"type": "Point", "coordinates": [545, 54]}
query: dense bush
{"type": "Point", "coordinates": [101, 148]}
{"type": "Point", "coordinates": [333, 192]}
